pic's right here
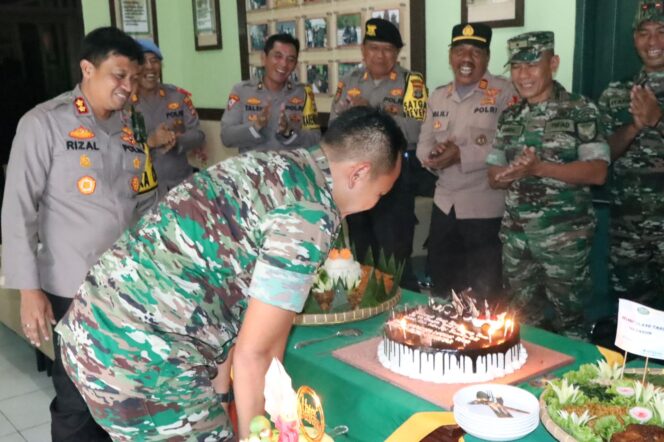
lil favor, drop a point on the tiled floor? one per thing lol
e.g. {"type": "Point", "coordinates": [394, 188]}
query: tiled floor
{"type": "Point", "coordinates": [25, 393]}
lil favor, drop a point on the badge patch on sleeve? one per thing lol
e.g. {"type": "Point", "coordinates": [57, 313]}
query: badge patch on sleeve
{"type": "Point", "coordinates": [587, 130]}
{"type": "Point", "coordinates": [309, 113]}
{"type": "Point", "coordinates": [86, 185]}
{"type": "Point", "coordinates": [232, 101]}
{"type": "Point", "coordinates": [415, 98]}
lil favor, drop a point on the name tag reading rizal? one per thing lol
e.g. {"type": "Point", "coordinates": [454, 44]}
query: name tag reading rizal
{"type": "Point", "coordinates": [640, 330]}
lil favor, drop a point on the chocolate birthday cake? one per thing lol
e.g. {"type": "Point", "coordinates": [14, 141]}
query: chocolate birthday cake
{"type": "Point", "coordinates": [451, 342]}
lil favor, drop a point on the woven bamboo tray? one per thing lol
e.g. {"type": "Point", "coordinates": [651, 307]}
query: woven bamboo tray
{"type": "Point", "coordinates": [552, 427]}
{"type": "Point", "coordinates": [347, 316]}
{"type": "Point", "coordinates": [560, 434]}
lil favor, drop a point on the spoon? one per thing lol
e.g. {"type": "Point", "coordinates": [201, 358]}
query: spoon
{"type": "Point", "coordinates": [338, 430]}
{"type": "Point", "coordinates": [344, 332]}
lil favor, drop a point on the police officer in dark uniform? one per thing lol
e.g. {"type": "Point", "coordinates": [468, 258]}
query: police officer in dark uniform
{"type": "Point", "coordinates": [380, 82]}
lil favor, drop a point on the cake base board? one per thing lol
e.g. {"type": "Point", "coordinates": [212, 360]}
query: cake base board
{"type": "Point", "coordinates": [363, 356]}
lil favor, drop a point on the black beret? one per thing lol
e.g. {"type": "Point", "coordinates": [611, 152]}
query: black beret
{"type": "Point", "coordinates": [377, 29]}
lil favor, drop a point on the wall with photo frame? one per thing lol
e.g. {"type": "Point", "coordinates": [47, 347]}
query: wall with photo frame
{"type": "Point", "coordinates": [330, 33]}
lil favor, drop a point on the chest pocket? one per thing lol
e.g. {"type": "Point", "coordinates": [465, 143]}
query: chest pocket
{"type": "Point", "coordinates": [441, 128]}
{"type": "Point", "coordinates": [79, 173]}
{"type": "Point", "coordinates": [482, 136]}
{"type": "Point", "coordinates": [559, 141]}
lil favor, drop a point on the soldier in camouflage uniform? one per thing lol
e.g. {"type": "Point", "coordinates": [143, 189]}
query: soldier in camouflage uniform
{"type": "Point", "coordinates": [383, 84]}
{"type": "Point", "coordinates": [548, 151]}
{"type": "Point", "coordinates": [272, 112]}
{"type": "Point", "coordinates": [633, 113]}
{"type": "Point", "coordinates": [237, 244]}
{"type": "Point", "coordinates": [170, 119]}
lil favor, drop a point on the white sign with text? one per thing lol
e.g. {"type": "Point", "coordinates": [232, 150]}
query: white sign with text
{"type": "Point", "coordinates": [640, 330]}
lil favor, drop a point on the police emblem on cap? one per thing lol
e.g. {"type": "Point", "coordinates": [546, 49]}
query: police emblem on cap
{"type": "Point", "coordinates": [468, 31]}
{"type": "Point", "coordinates": [371, 30]}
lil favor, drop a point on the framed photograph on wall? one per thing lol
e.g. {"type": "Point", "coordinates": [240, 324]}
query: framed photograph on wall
{"type": "Point", "coordinates": [257, 35]}
{"type": "Point", "coordinates": [391, 15]}
{"type": "Point", "coordinates": [315, 33]}
{"type": "Point", "coordinates": [252, 5]}
{"type": "Point", "coordinates": [349, 29]}
{"type": "Point", "coordinates": [287, 27]}
{"type": "Point", "coordinates": [137, 18]}
{"type": "Point", "coordinates": [256, 72]}
{"type": "Point", "coordinates": [495, 13]}
{"type": "Point", "coordinates": [318, 77]}
{"type": "Point", "coordinates": [207, 25]}
{"type": "Point", "coordinates": [284, 3]}
{"type": "Point", "coordinates": [345, 67]}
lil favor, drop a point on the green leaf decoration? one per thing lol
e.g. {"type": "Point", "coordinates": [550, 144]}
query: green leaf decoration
{"type": "Point", "coordinates": [381, 292]}
{"type": "Point", "coordinates": [370, 298]}
{"type": "Point", "coordinates": [311, 305]}
{"type": "Point", "coordinates": [382, 261]}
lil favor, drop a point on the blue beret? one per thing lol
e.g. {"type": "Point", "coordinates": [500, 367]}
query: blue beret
{"type": "Point", "coordinates": [149, 46]}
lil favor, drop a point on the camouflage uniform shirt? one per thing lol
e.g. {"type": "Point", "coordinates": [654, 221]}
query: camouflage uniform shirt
{"type": "Point", "coordinates": [168, 297]}
{"type": "Point", "coordinates": [562, 130]}
{"type": "Point", "coordinates": [639, 173]}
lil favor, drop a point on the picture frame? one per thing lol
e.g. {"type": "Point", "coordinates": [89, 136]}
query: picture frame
{"type": "Point", "coordinates": [137, 18]}
{"type": "Point", "coordinates": [315, 33]}
{"type": "Point", "coordinates": [286, 27]}
{"type": "Point", "coordinates": [495, 13]}
{"type": "Point", "coordinates": [318, 76]}
{"type": "Point", "coordinates": [349, 29]}
{"type": "Point", "coordinates": [392, 15]}
{"type": "Point", "coordinates": [207, 25]}
{"type": "Point", "coordinates": [258, 33]}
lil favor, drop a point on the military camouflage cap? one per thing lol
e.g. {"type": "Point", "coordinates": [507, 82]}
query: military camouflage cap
{"type": "Point", "coordinates": [649, 10]}
{"type": "Point", "coordinates": [528, 47]}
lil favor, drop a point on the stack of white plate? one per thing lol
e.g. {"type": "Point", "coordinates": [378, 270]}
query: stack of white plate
{"type": "Point", "coordinates": [480, 419]}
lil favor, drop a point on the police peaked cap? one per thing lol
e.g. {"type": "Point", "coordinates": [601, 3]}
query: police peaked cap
{"type": "Point", "coordinates": [476, 34]}
{"type": "Point", "coordinates": [378, 29]}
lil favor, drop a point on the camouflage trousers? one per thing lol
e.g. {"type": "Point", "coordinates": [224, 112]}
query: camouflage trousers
{"type": "Point", "coordinates": [636, 260]}
{"type": "Point", "coordinates": [549, 277]}
{"type": "Point", "coordinates": [181, 406]}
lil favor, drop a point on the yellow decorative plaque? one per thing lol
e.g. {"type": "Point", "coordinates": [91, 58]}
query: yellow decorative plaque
{"type": "Point", "coordinates": [310, 412]}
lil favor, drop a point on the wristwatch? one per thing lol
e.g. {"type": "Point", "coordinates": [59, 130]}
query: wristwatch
{"type": "Point", "coordinates": [289, 133]}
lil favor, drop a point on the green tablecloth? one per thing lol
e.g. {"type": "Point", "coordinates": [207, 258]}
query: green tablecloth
{"type": "Point", "coordinates": [373, 408]}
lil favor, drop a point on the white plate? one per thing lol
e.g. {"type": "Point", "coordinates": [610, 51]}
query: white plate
{"type": "Point", "coordinates": [480, 421]}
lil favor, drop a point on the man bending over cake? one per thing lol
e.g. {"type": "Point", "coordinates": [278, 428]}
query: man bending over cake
{"type": "Point", "coordinates": [148, 337]}
{"type": "Point", "coordinates": [548, 151]}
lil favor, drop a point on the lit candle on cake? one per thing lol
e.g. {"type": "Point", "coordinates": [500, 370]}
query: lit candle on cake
{"type": "Point", "coordinates": [402, 322]}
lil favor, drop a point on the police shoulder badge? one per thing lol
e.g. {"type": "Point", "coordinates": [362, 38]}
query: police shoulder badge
{"type": "Point", "coordinates": [81, 107]}
{"type": "Point", "coordinates": [309, 112]}
{"type": "Point", "coordinates": [587, 130]}
{"type": "Point", "coordinates": [232, 101]}
{"type": "Point", "coordinates": [415, 97]}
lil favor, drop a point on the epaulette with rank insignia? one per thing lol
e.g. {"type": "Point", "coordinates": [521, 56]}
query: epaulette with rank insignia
{"type": "Point", "coordinates": [183, 91]}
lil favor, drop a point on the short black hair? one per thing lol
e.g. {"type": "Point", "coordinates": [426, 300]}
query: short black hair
{"type": "Point", "coordinates": [284, 39]}
{"type": "Point", "coordinates": [367, 133]}
{"type": "Point", "coordinates": [101, 43]}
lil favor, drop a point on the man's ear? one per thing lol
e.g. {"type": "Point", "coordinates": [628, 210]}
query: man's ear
{"type": "Point", "coordinates": [359, 172]}
{"type": "Point", "coordinates": [87, 68]}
